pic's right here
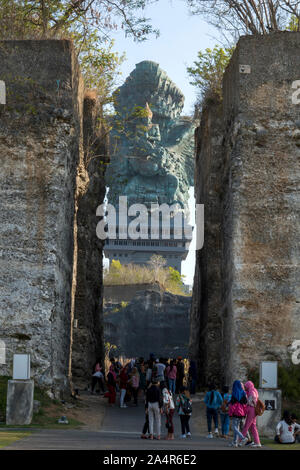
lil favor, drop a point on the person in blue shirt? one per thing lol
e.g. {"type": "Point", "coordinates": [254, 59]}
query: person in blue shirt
{"type": "Point", "coordinates": [225, 421]}
{"type": "Point", "coordinates": [213, 400]}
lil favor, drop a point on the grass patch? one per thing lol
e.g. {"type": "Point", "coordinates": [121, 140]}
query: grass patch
{"type": "Point", "coordinates": [49, 413]}
{"type": "Point", "coordinates": [168, 278]}
{"type": "Point", "coordinates": [274, 446]}
{"type": "Point", "coordinates": [8, 437]}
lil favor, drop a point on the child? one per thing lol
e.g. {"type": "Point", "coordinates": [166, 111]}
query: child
{"type": "Point", "coordinates": [224, 412]}
{"type": "Point", "coordinates": [237, 411]}
{"type": "Point", "coordinates": [213, 401]}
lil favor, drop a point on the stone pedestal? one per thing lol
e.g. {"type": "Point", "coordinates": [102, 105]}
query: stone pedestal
{"type": "Point", "coordinates": [19, 407]}
{"type": "Point", "coordinates": [267, 422]}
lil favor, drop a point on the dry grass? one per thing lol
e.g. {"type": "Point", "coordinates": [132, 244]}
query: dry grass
{"type": "Point", "coordinates": [8, 437]}
{"type": "Point", "coordinates": [136, 274]}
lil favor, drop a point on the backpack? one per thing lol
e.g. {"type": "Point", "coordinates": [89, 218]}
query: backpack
{"type": "Point", "coordinates": [186, 406]}
{"type": "Point", "coordinates": [224, 406]}
{"type": "Point", "coordinates": [259, 408]}
{"type": "Point", "coordinates": [237, 409]}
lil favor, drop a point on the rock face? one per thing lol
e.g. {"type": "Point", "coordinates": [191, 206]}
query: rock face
{"type": "Point", "coordinates": [152, 146]}
{"type": "Point", "coordinates": [161, 326]}
{"type": "Point", "coordinates": [254, 161]}
{"type": "Point", "coordinates": [206, 310]}
{"type": "Point", "coordinates": [43, 176]}
{"type": "Point", "coordinates": [88, 314]}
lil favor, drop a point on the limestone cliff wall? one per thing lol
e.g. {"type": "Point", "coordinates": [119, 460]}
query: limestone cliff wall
{"type": "Point", "coordinates": [206, 318]}
{"type": "Point", "coordinates": [259, 214]}
{"type": "Point", "coordinates": [88, 330]}
{"type": "Point", "coordinates": [43, 178]}
{"type": "Point", "coordinates": [161, 326]}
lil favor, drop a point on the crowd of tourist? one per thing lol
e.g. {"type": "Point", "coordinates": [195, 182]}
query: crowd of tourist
{"type": "Point", "coordinates": [166, 388]}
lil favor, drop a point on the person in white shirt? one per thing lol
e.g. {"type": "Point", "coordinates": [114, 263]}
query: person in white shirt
{"type": "Point", "coordinates": [160, 367]}
{"type": "Point", "coordinates": [286, 429]}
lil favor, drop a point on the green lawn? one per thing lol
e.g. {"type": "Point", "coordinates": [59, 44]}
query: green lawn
{"type": "Point", "coordinates": [8, 437]}
{"type": "Point", "coordinates": [50, 410]}
{"type": "Point", "coordinates": [272, 445]}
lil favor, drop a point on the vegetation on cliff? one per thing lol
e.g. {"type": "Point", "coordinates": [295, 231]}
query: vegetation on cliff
{"type": "Point", "coordinates": [207, 72]}
{"type": "Point", "coordinates": [168, 278]}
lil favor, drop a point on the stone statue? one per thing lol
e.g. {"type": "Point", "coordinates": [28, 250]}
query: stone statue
{"type": "Point", "coordinates": [152, 147]}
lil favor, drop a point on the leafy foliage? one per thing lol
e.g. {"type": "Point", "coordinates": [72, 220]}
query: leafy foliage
{"type": "Point", "coordinates": [294, 24]}
{"type": "Point", "coordinates": [208, 70]}
{"type": "Point", "coordinates": [168, 278]}
{"type": "Point", "coordinates": [288, 380]}
{"type": "Point", "coordinates": [88, 23]}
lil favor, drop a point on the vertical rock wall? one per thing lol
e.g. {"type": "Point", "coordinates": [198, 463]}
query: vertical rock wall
{"type": "Point", "coordinates": [206, 318]}
{"type": "Point", "coordinates": [43, 179]}
{"type": "Point", "coordinates": [88, 330]}
{"type": "Point", "coordinates": [259, 214]}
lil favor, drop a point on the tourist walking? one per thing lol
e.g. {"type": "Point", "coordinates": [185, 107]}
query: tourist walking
{"type": "Point", "coordinates": [250, 424]}
{"type": "Point", "coordinates": [142, 373]}
{"type": "Point", "coordinates": [160, 368]}
{"type": "Point", "coordinates": [224, 416]}
{"type": "Point", "coordinates": [169, 409]}
{"type": "Point", "coordinates": [134, 382]}
{"type": "Point", "coordinates": [97, 377]}
{"type": "Point", "coordinates": [149, 373]}
{"type": "Point", "coordinates": [180, 374]}
{"type": "Point", "coordinates": [192, 377]}
{"type": "Point", "coordinates": [111, 385]}
{"type": "Point", "coordinates": [171, 372]}
{"type": "Point", "coordinates": [184, 409]}
{"type": "Point", "coordinates": [213, 401]}
{"type": "Point", "coordinates": [154, 406]}
{"type": "Point", "coordinates": [123, 377]}
{"type": "Point", "coordinates": [237, 410]}
{"type": "Point", "coordinates": [146, 429]}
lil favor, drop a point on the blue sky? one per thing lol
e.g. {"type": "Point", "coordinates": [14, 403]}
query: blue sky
{"type": "Point", "coordinates": [181, 37]}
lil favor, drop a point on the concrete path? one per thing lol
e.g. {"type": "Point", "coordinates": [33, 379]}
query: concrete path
{"type": "Point", "coordinates": [121, 430]}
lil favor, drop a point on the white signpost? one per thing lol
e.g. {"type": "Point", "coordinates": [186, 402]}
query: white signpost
{"type": "Point", "coordinates": [21, 367]}
{"type": "Point", "coordinates": [2, 92]}
{"type": "Point", "coordinates": [268, 374]}
{"type": "Point", "coordinates": [20, 392]}
{"type": "Point", "coordinates": [2, 352]}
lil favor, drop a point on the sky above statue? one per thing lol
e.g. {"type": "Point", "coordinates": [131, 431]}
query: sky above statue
{"type": "Point", "coordinates": [181, 37]}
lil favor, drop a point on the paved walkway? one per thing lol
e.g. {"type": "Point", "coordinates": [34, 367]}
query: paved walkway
{"type": "Point", "coordinates": [121, 430]}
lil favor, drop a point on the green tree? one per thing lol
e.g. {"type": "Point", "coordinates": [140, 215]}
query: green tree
{"type": "Point", "coordinates": [88, 23]}
{"type": "Point", "coordinates": [207, 72]}
{"type": "Point", "coordinates": [294, 24]}
{"type": "Point", "coordinates": [49, 18]}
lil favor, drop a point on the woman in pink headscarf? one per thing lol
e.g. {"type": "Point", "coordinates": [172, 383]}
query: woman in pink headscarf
{"type": "Point", "coordinates": [250, 424]}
